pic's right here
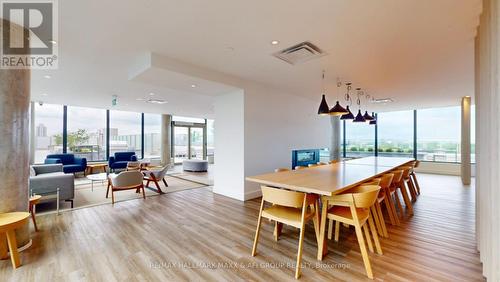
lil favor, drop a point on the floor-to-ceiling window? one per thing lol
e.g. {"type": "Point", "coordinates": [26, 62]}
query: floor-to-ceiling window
{"type": "Point", "coordinates": [87, 133]}
{"type": "Point", "coordinates": [395, 134]}
{"type": "Point", "coordinates": [48, 130]}
{"type": "Point", "coordinates": [125, 132]}
{"type": "Point", "coordinates": [152, 136]}
{"type": "Point", "coordinates": [359, 139]}
{"type": "Point", "coordinates": [438, 134]}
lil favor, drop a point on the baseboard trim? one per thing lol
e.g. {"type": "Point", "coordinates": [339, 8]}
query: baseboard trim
{"type": "Point", "coordinates": [253, 194]}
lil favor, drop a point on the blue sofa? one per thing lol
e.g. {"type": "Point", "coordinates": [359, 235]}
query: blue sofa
{"type": "Point", "coordinates": [120, 160]}
{"type": "Point", "coordinates": [71, 164]}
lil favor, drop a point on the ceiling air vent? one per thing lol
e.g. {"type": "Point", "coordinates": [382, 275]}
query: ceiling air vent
{"type": "Point", "coordinates": [299, 53]}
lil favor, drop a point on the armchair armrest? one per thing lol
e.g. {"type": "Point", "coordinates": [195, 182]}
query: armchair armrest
{"type": "Point", "coordinates": [111, 160]}
{"type": "Point", "coordinates": [133, 158]}
{"type": "Point", "coordinates": [81, 161]}
{"type": "Point", "coordinates": [52, 161]}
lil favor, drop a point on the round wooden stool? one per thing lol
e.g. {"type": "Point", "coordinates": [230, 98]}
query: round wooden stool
{"type": "Point", "coordinates": [32, 208]}
{"type": "Point", "coordinates": [8, 223]}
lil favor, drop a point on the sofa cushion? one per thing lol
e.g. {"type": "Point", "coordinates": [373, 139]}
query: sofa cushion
{"type": "Point", "coordinates": [120, 164]}
{"type": "Point", "coordinates": [71, 168]}
{"type": "Point", "coordinates": [65, 158]}
{"type": "Point", "coordinates": [124, 156]}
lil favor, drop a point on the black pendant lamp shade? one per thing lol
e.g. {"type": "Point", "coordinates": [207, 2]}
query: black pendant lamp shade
{"type": "Point", "coordinates": [349, 115]}
{"type": "Point", "coordinates": [367, 116]}
{"type": "Point", "coordinates": [373, 122]}
{"type": "Point", "coordinates": [359, 117]}
{"type": "Point", "coordinates": [323, 107]}
{"type": "Point", "coordinates": [338, 110]}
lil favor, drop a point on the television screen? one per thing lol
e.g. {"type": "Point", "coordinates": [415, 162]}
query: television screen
{"type": "Point", "coordinates": [305, 156]}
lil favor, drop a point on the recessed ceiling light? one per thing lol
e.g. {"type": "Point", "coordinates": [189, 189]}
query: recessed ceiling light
{"type": "Point", "coordinates": [151, 94]}
{"type": "Point", "coordinates": [47, 76]}
{"type": "Point", "coordinates": [193, 85]}
{"type": "Point", "coordinates": [275, 42]}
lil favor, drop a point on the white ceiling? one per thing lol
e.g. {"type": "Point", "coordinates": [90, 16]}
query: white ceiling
{"type": "Point", "coordinates": [418, 52]}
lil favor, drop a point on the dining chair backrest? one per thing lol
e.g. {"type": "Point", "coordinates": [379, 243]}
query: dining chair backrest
{"type": "Point", "coordinates": [374, 181]}
{"type": "Point", "coordinates": [280, 169]}
{"type": "Point", "coordinates": [398, 175]}
{"type": "Point", "coordinates": [283, 197]}
{"type": "Point", "coordinates": [386, 180]}
{"type": "Point", "coordinates": [365, 196]}
{"type": "Point", "coordinates": [406, 171]}
{"type": "Point", "coordinates": [127, 179]}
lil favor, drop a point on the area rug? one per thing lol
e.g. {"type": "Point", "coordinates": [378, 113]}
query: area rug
{"type": "Point", "coordinates": [86, 197]}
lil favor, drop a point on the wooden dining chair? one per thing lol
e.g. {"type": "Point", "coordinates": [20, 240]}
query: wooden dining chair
{"type": "Point", "coordinates": [413, 176]}
{"type": "Point", "coordinates": [300, 167]}
{"type": "Point", "coordinates": [405, 186]}
{"type": "Point", "coordinates": [125, 180]}
{"type": "Point", "coordinates": [393, 196]}
{"type": "Point", "coordinates": [408, 181]}
{"type": "Point", "coordinates": [280, 169]}
{"type": "Point", "coordinates": [290, 208]}
{"type": "Point", "coordinates": [353, 209]}
{"type": "Point", "coordinates": [383, 197]}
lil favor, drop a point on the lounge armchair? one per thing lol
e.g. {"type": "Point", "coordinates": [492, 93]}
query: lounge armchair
{"type": "Point", "coordinates": [47, 178]}
{"type": "Point", "coordinates": [121, 159]}
{"type": "Point", "coordinates": [156, 176]}
{"type": "Point", "coordinates": [71, 164]}
{"type": "Point", "coordinates": [125, 180]}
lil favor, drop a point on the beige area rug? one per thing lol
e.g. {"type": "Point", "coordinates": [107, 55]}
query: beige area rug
{"type": "Point", "coordinates": [199, 177]}
{"type": "Point", "coordinates": [86, 197]}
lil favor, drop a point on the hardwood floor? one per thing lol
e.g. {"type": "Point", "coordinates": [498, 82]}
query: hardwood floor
{"type": "Point", "coordinates": [180, 236]}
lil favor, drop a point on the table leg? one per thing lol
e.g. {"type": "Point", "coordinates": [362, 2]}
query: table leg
{"type": "Point", "coordinates": [322, 246]}
{"type": "Point", "coordinates": [33, 214]}
{"type": "Point", "coordinates": [57, 201]}
{"type": "Point", "coordinates": [3, 246]}
{"type": "Point", "coordinates": [14, 254]}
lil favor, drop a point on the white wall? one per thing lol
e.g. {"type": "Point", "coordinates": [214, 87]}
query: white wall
{"type": "Point", "coordinates": [229, 149]}
{"type": "Point", "coordinates": [488, 139]}
{"type": "Point", "coordinates": [275, 124]}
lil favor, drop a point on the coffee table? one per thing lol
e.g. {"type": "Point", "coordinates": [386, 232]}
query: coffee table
{"type": "Point", "coordinates": [100, 166]}
{"type": "Point", "coordinates": [96, 178]}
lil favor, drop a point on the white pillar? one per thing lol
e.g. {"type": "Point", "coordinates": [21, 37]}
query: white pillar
{"type": "Point", "coordinates": [335, 140]}
{"type": "Point", "coordinates": [465, 146]}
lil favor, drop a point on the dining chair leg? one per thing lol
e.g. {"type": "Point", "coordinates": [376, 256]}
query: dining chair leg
{"type": "Point", "coordinates": [413, 193]}
{"type": "Point", "coordinates": [257, 231]}
{"type": "Point", "coordinates": [367, 235]}
{"type": "Point", "coordinates": [381, 218]}
{"type": "Point", "coordinates": [376, 219]}
{"type": "Point", "coordinates": [299, 252]}
{"type": "Point", "coordinates": [330, 228]}
{"type": "Point", "coordinates": [337, 230]}
{"type": "Point", "coordinates": [364, 252]}
{"type": "Point", "coordinates": [375, 235]}
{"type": "Point", "coordinates": [389, 207]}
{"type": "Point", "coordinates": [406, 199]}
{"type": "Point", "coordinates": [399, 206]}
{"type": "Point", "coordinates": [316, 220]}
{"type": "Point", "coordinates": [415, 181]}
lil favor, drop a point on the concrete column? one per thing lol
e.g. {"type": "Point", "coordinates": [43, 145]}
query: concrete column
{"type": "Point", "coordinates": [32, 133]}
{"type": "Point", "coordinates": [14, 140]}
{"type": "Point", "coordinates": [166, 139]}
{"type": "Point", "coordinates": [335, 140]}
{"type": "Point", "coordinates": [465, 145]}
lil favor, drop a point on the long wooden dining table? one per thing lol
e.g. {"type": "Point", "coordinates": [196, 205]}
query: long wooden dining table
{"type": "Point", "coordinates": [332, 179]}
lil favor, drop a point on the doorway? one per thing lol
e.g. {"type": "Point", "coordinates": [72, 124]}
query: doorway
{"type": "Point", "coordinates": [189, 141]}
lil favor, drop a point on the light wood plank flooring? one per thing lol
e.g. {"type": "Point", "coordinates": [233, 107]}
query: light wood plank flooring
{"type": "Point", "coordinates": [197, 235]}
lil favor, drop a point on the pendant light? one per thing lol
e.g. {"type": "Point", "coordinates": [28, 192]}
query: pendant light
{"type": "Point", "coordinates": [338, 110]}
{"type": "Point", "coordinates": [367, 116]}
{"type": "Point", "coordinates": [348, 99]}
{"type": "Point", "coordinates": [359, 117]}
{"type": "Point", "coordinates": [349, 115]}
{"type": "Point", "coordinates": [323, 109]}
